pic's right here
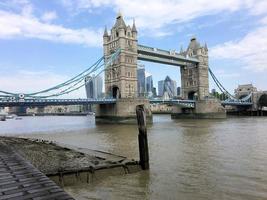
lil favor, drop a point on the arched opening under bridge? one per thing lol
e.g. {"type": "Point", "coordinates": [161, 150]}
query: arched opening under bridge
{"type": "Point", "coordinates": [191, 95]}
{"type": "Point", "coordinates": [263, 100]}
{"type": "Point", "coordinates": [115, 92]}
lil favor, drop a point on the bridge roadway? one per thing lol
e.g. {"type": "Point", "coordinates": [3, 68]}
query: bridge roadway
{"type": "Point", "coordinates": [57, 102]}
{"type": "Point", "coordinates": [54, 102]}
{"type": "Point", "coordinates": [20, 180]}
{"type": "Point", "coordinates": [156, 55]}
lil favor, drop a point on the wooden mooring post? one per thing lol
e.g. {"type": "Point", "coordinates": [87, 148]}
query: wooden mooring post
{"type": "Point", "coordinates": [142, 137]}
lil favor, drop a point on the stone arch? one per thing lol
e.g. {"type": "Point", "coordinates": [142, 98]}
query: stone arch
{"type": "Point", "coordinates": [263, 100]}
{"type": "Point", "coordinates": [242, 96]}
{"type": "Point", "coordinates": [116, 92]}
{"type": "Point", "coordinates": [191, 95]}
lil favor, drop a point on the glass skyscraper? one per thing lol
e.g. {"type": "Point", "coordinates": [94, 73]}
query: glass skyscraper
{"type": "Point", "coordinates": [167, 86]}
{"type": "Point", "coordinates": [141, 81]}
{"type": "Point", "coordinates": [94, 86]}
{"type": "Point", "coordinates": [149, 86]}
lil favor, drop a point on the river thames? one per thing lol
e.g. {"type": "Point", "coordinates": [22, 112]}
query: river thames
{"type": "Point", "coordinates": [189, 159]}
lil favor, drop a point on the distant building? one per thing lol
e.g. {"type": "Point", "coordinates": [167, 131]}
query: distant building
{"type": "Point", "coordinates": [244, 90]}
{"type": "Point", "coordinates": [94, 86]}
{"type": "Point", "coordinates": [178, 91]}
{"type": "Point", "coordinates": [154, 91]}
{"type": "Point", "coordinates": [160, 88]}
{"type": "Point", "coordinates": [213, 91]}
{"type": "Point", "coordinates": [167, 86]}
{"type": "Point", "coordinates": [141, 81]}
{"type": "Point", "coordinates": [149, 86]}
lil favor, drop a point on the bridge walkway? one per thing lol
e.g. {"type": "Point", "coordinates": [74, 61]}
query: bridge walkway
{"type": "Point", "coordinates": [21, 180]}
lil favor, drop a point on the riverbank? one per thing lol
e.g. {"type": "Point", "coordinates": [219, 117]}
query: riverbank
{"type": "Point", "coordinates": [68, 164]}
{"type": "Point", "coordinates": [21, 180]}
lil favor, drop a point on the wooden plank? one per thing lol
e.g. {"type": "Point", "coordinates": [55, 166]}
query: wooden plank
{"type": "Point", "coordinates": [20, 180]}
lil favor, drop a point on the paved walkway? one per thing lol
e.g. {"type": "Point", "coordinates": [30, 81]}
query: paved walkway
{"type": "Point", "coordinates": [20, 180]}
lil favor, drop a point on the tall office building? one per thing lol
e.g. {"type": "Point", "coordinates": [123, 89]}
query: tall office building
{"type": "Point", "coordinates": [178, 91]}
{"type": "Point", "coordinates": [141, 81]}
{"type": "Point", "coordinates": [167, 86]}
{"type": "Point", "coordinates": [149, 86]}
{"type": "Point", "coordinates": [154, 91]}
{"type": "Point", "coordinates": [94, 86]}
{"type": "Point", "coordinates": [160, 88]}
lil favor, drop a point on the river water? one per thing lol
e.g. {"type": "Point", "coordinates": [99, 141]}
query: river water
{"type": "Point", "coordinates": [189, 159]}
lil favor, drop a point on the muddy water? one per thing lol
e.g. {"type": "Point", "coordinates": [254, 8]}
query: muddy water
{"type": "Point", "coordinates": [189, 159]}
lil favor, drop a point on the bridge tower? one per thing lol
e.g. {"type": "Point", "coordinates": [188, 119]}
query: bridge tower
{"type": "Point", "coordinates": [195, 86]}
{"type": "Point", "coordinates": [195, 78]}
{"type": "Point", "coordinates": [121, 76]}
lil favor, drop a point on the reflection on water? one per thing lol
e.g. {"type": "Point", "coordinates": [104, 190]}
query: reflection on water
{"type": "Point", "coordinates": [189, 159]}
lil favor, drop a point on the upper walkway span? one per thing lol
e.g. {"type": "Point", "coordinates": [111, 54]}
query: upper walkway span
{"type": "Point", "coordinates": [156, 55]}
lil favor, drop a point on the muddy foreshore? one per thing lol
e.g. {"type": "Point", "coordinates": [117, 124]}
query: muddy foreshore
{"type": "Point", "coordinates": [61, 162]}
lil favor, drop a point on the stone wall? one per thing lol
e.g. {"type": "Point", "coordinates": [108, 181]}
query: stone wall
{"type": "Point", "coordinates": [122, 112]}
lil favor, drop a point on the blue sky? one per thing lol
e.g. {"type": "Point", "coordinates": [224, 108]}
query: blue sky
{"type": "Point", "coordinates": [43, 43]}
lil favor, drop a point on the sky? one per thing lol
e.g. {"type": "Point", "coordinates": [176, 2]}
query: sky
{"type": "Point", "coordinates": [45, 42]}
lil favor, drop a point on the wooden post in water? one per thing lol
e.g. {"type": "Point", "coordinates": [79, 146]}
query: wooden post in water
{"type": "Point", "coordinates": [142, 137]}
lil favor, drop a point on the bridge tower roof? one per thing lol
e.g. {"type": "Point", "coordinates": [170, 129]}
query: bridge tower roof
{"type": "Point", "coordinates": [194, 44]}
{"type": "Point", "coordinates": [120, 22]}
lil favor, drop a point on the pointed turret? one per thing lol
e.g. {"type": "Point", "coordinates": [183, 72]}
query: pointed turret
{"type": "Point", "coordinates": [206, 47]}
{"type": "Point", "coordinates": [181, 49]}
{"type": "Point", "coordinates": [105, 32]}
{"type": "Point", "coordinates": [134, 27]}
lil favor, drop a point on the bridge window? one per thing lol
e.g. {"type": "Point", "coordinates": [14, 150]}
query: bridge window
{"type": "Point", "coordinates": [129, 43]}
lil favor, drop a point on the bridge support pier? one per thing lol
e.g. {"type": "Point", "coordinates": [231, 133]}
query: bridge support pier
{"type": "Point", "coordinates": [123, 112]}
{"type": "Point", "coordinates": [204, 109]}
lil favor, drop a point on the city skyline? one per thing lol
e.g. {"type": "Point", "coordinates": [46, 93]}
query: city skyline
{"type": "Point", "coordinates": [44, 43]}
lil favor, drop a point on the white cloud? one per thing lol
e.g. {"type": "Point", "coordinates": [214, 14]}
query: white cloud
{"type": "Point", "coordinates": [258, 7]}
{"type": "Point", "coordinates": [24, 81]}
{"type": "Point", "coordinates": [153, 14]}
{"type": "Point", "coordinates": [49, 16]}
{"type": "Point", "coordinates": [222, 74]}
{"type": "Point", "coordinates": [251, 50]}
{"type": "Point", "coordinates": [15, 26]}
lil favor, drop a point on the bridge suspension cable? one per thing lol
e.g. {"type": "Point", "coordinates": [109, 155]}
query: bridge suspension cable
{"type": "Point", "coordinates": [70, 85]}
{"type": "Point", "coordinates": [228, 94]}
{"type": "Point", "coordinates": [220, 86]}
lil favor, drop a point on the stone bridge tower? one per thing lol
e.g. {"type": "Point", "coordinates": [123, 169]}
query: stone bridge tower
{"type": "Point", "coordinates": [121, 76]}
{"type": "Point", "coordinates": [195, 78]}
{"type": "Point", "coordinates": [195, 86]}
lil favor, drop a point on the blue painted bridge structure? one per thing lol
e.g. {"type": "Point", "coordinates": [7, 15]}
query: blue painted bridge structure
{"type": "Point", "coordinates": [57, 102]}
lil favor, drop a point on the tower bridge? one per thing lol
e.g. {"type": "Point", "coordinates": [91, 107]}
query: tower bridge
{"type": "Point", "coordinates": [121, 76]}
{"type": "Point", "coordinates": [121, 52]}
